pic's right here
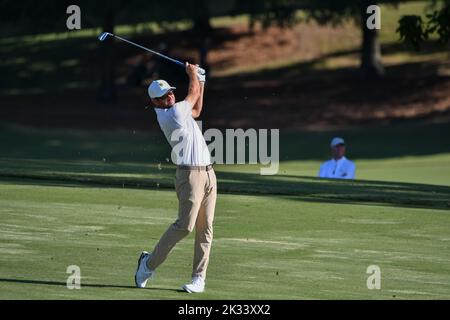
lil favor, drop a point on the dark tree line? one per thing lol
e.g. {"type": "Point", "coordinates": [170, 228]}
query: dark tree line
{"type": "Point", "coordinates": [31, 17]}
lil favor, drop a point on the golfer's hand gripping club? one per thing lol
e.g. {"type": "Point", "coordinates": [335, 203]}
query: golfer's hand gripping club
{"type": "Point", "coordinates": [200, 71]}
{"type": "Point", "coordinates": [194, 70]}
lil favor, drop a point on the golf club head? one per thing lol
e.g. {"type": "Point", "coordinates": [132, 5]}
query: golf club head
{"type": "Point", "coordinates": [104, 35]}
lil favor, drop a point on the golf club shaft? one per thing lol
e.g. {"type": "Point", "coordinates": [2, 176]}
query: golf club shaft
{"type": "Point", "coordinates": [181, 64]}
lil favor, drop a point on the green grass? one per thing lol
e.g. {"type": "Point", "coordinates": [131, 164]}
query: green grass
{"type": "Point", "coordinates": [432, 170]}
{"type": "Point", "coordinates": [273, 247]}
{"type": "Point", "coordinates": [97, 199]}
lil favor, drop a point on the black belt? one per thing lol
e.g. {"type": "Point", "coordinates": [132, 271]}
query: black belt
{"type": "Point", "coordinates": [200, 168]}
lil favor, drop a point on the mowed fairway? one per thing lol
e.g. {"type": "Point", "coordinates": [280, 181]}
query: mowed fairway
{"type": "Point", "coordinates": [265, 247]}
{"type": "Point", "coordinates": [96, 200]}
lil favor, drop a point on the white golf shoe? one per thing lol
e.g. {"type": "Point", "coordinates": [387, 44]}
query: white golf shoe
{"type": "Point", "coordinates": [196, 286]}
{"type": "Point", "coordinates": [143, 273]}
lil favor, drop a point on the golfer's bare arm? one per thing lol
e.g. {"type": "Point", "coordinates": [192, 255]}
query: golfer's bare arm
{"type": "Point", "coordinates": [194, 91]}
{"type": "Point", "coordinates": [197, 109]}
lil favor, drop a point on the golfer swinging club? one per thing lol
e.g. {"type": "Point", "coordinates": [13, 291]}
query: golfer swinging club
{"type": "Point", "coordinates": [195, 184]}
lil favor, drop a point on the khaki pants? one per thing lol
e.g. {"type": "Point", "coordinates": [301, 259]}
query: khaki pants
{"type": "Point", "coordinates": [196, 191]}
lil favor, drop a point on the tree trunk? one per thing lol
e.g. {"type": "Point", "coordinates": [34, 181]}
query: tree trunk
{"type": "Point", "coordinates": [107, 92]}
{"type": "Point", "coordinates": [202, 25]}
{"type": "Point", "coordinates": [202, 29]}
{"type": "Point", "coordinates": [371, 65]}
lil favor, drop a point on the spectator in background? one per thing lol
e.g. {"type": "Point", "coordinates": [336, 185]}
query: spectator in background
{"type": "Point", "coordinates": [339, 167]}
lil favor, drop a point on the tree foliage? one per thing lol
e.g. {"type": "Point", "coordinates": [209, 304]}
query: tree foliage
{"type": "Point", "coordinates": [414, 30]}
{"type": "Point", "coordinates": [283, 12]}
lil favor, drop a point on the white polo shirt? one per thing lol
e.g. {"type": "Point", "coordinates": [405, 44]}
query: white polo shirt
{"type": "Point", "coordinates": [340, 169]}
{"type": "Point", "coordinates": [184, 135]}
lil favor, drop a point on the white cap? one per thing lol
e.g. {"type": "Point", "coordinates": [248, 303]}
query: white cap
{"type": "Point", "coordinates": [336, 141]}
{"type": "Point", "coordinates": [158, 88]}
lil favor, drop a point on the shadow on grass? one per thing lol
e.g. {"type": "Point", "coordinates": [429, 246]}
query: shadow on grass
{"type": "Point", "coordinates": [338, 191]}
{"type": "Point", "coordinates": [381, 142]}
{"type": "Point", "coordinates": [397, 194]}
{"type": "Point", "coordinates": [308, 68]}
{"type": "Point", "coordinates": [88, 285]}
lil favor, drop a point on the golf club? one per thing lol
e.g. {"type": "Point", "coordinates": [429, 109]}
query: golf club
{"type": "Point", "coordinates": [105, 35]}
